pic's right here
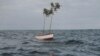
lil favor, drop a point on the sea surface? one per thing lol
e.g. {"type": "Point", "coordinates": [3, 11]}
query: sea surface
{"type": "Point", "coordinates": [65, 43]}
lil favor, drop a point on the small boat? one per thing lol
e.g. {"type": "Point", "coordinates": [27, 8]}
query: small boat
{"type": "Point", "coordinates": [45, 37]}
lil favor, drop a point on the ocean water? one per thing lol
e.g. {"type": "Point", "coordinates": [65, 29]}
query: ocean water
{"type": "Point", "coordinates": [65, 43]}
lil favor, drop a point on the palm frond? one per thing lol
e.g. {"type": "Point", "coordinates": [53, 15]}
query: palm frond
{"type": "Point", "coordinates": [57, 5]}
{"type": "Point", "coordinates": [52, 4]}
{"type": "Point", "coordinates": [51, 11]}
{"type": "Point", "coordinates": [46, 12]}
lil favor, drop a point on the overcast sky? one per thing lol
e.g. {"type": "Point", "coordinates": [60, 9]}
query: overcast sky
{"type": "Point", "coordinates": [27, 14]}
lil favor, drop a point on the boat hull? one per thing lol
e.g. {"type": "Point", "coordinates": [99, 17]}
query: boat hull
{"type": "Point", "coordinates": [45, 37]}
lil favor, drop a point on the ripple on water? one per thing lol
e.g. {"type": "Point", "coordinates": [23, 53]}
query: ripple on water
{"type": "Point", "coordinates": [6, 54]}
{"type": "Point", "coordinates": [74, 42]}
{"type": "Point", "coordinates": [96, 49]}
{"type": "Point", "coordinates": [69, 55]}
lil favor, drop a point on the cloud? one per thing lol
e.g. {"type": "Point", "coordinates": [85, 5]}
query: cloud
{"type": "Point", "coordinates": [27, 14]}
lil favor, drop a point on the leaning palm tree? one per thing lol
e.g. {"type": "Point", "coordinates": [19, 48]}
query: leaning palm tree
{"type": "Point", "coordinates": [52, 13]}
{"type": "Point", "coordinates": [46, 14]}
{"type": "Point", "coordinates": [54, 7]}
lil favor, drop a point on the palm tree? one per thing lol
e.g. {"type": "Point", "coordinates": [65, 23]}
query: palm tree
{"type": "Point", "coordinates": [47, 13]}
{"type": "Point", "coordinates": [54, 7]}
{"type": "Point", "coordinates": [52, 13]}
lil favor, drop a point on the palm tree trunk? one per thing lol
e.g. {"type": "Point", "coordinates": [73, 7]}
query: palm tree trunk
{"type": "Point", "coordinates": [50, 24]}
{"type": "Point", "coordinates": [44, 24]}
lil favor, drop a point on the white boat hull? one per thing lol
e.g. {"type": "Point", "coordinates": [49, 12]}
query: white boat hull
{"type": "Point", "coordinates": [45, 37]}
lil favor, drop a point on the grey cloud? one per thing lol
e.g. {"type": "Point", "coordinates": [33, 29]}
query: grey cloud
{"type": "Point", "coordinates": [27, 14]}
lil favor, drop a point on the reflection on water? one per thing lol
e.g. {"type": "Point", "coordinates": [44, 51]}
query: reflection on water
{"type": "Point", "coordinates": [65, 43]}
